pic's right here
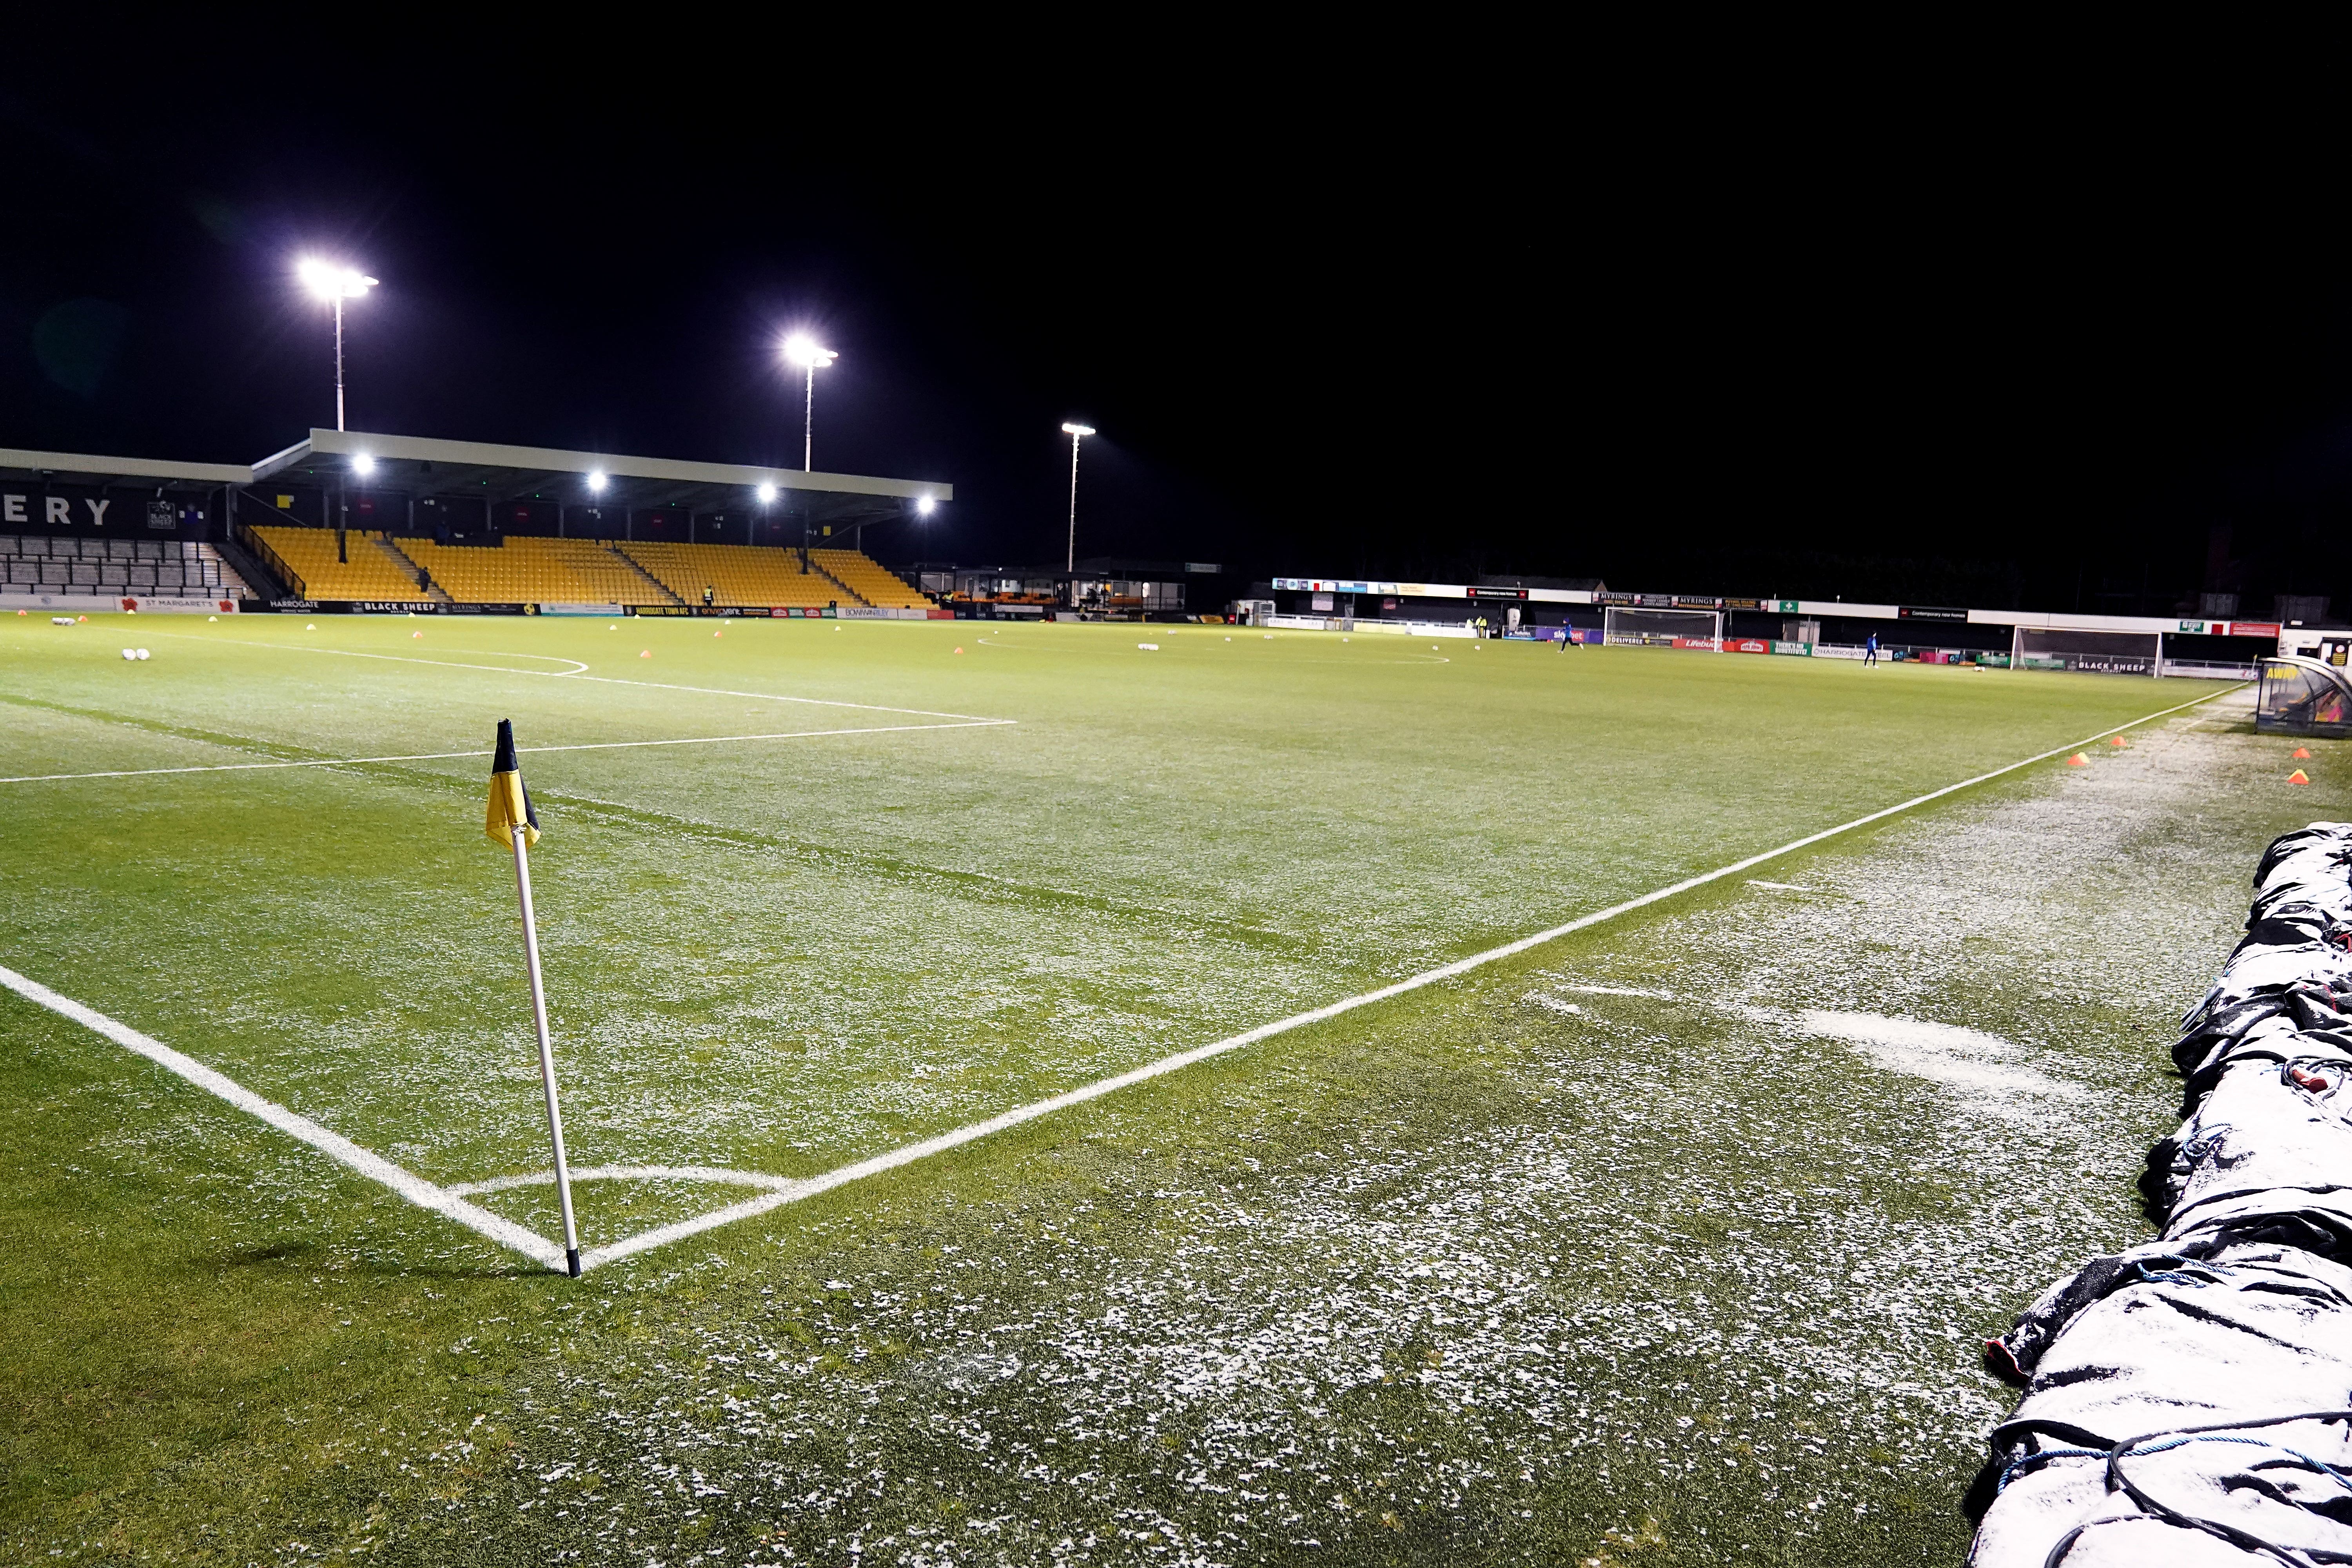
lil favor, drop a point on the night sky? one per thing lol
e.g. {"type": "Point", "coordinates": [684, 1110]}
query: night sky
{"type": "Point", "coordinates": [1397, 315]}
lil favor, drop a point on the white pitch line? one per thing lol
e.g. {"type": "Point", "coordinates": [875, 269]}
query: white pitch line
{"type": "Point", "coordinates": [926, 1148]}
{"type": "Point", "coordinates": [334, 1145]}
{"type": "Point", "coordinates": [453, 756]}
{"type": "Point", "coordinates": [442, 1200]}
{"type": "Point", "coordinates": [574, 675]}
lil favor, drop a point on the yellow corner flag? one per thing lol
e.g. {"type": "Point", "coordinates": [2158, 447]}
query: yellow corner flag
{"type": "Point", "coordinates": [509, 801]}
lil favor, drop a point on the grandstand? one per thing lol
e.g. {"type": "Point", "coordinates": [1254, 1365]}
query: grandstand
{"type": "Point", "coordinates": [111, 568]}
{"type": "Point", "coordinates": [381, 568]}
{"type": "Point", "coordinates": [738, 575]}
{"type": "Point", "coordinates": [526, 570]}
{"type": "Point", "coordinates": [867, 579]}
{"type": "Point", "coordinates": [369, 571]}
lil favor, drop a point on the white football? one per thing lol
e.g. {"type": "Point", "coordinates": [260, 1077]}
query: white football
{"type": "Point", "coordinates": [129, 653]}
{"type": "Point", "coordinates": [142, 653]}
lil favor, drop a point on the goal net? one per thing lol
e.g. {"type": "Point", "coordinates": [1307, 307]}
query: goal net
{"type": "Point", "coordinates": [1663, 628]}
{"type": "Point", "coordinates": [2095, 653]}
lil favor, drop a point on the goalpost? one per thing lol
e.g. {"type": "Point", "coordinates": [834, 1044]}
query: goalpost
{"type": "Point", "coordinates": [1663, 628]}
{"type": "Point", "coordinates": [2098, 653]}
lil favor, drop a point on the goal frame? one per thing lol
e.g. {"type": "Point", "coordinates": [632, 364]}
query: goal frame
{"type": "Point", "coordinates": [2086, 650]}
{"type": "Point", "coordinates": [1631, 625]}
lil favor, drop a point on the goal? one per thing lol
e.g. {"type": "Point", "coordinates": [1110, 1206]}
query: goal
{"type": "Point", "coordinates": [1663, 628]}
{"type": "Point", "coordinates": [2095, 653]}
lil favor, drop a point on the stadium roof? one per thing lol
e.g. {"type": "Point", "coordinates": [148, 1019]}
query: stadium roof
{"type": "Point", "coordinates": [424, 465]}
{"type": "Point", "coordinates": [82, 468]}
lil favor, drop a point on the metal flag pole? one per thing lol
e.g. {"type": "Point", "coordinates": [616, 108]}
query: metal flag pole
{"type": "Point", "coordinates": [546, 1051]}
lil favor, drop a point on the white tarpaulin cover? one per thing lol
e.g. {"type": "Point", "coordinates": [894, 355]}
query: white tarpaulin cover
{"type": "Point", "coordinates": [2190, 1401]}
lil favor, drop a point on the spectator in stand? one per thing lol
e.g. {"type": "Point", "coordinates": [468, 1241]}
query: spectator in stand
{"type": "Point", "coordinates": [709, 595]}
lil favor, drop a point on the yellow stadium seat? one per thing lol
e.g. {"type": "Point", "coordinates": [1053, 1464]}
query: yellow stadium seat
{"type": "Point", "coordinates": [865, 577]}
{"type": "Point", "coordinates": [370, 570]}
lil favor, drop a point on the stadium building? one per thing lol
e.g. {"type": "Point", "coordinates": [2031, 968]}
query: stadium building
{"type": "Point", "coordinates": [354, 520]}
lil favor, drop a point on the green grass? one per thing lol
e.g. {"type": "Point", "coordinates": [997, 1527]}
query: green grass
{"type": "Point", "coordinates": [1437, 1281]}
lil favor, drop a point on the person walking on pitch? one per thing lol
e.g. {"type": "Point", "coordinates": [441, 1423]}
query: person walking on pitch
{"type": "Point", "coordinates": [512, 823]}
{"type": "Point", "coordinates": [1870, 649]}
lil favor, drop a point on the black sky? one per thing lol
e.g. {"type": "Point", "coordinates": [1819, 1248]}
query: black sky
{"type": "Point", "coordinates": [1401, 308]}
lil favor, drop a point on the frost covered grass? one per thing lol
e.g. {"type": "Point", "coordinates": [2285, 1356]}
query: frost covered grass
{"type": "Point", "coordinates": [1609, 1253]}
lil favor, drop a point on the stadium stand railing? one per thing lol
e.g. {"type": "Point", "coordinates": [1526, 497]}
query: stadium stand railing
{"type": "Point", "coordinates": [868, 579]}
{"type": "Point", "coordinates": [372, 569]}
{"type": "Point", "coordinates": [115, 568]}
{"type": "Point", "coordinates": [740, 575]}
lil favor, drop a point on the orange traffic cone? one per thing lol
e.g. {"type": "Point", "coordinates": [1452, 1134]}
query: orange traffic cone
{"type": "Point", "coordinates": [2302, 753]}
{"type": "Point", "coordinates": [2078, 761]}
{"type": "Point", "coordinates": [2298, 776]}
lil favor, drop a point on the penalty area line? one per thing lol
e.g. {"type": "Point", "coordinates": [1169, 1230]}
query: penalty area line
{"type": "Point", "coordinates": [455, 756]}
{"type": "Point", "coordinates": [424, 1195]}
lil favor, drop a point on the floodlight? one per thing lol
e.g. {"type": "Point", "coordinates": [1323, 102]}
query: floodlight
{"type": "Point", "coordinates": [334, 285]}
{"type": "Point", "coordinates": [926, 505]}
{"type": "Point", "coordinates": [329, 281]}
{"type": "Point", "coordinates": [596, 483]}
{"type": "Point", "coordinates": [767, 494]}
{"type": "Point", "coordinates": [363, 464]}
{"type": "Point", "coordinates": [1077, 433]}
{"type": "Point", "coordinates": [803, 351]}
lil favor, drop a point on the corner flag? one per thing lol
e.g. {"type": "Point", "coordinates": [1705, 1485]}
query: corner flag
{"type": "Point", "coordinates": [509, 801]}
{"type": "Point", "coordinates": [513, 824]}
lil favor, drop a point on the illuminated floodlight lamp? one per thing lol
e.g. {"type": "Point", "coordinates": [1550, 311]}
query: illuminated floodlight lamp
{"type": "Point", "coordinates": [1077, 429]}
{"type": "Point", "coordinates": [596, 483]}
{"type": "Point", "coordinates": [801, 349]}
{"type": "Point", "coordinates": [329, 281]}
{"type": "Point", "coordinates": [926, 505]}
{"type": "Point", "coordinates": [363, 465]}
{"type": "Point", "coordinates": [767, 494]}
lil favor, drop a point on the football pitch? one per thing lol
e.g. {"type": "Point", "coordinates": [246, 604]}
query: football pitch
{"type": "Point", "coordinates": [1666, 1239]}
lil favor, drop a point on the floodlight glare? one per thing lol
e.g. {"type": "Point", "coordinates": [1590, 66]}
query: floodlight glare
{"type": "Point", "coordinates": [767, 494]}
{"type": "Point", "coordinates": [926, 505]}
{"type": "Point", "coordinates": [596, 483]}
{"type": "Point", "coordinates": [803, 351]}
{"type": "Point", "coordinates": [1077, 429]}
{"type": "Point", "coordinates": [329, 281]}
{"type": "Point", "coordinates": [363, 464]}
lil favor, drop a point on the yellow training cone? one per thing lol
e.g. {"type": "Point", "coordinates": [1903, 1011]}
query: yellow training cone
{"type": "Point", "coordinates": [2298, 776]}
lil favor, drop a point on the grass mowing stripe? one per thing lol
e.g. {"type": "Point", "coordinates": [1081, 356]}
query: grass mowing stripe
{"type": "Point", "coordinates": [334, 1145]}
{"type": "Point", "coordinates": [924, 1148]}
{"type": "Point", "coordinates": [451, 756]}
{"type": "Point", "coordinates": [578, 674]}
